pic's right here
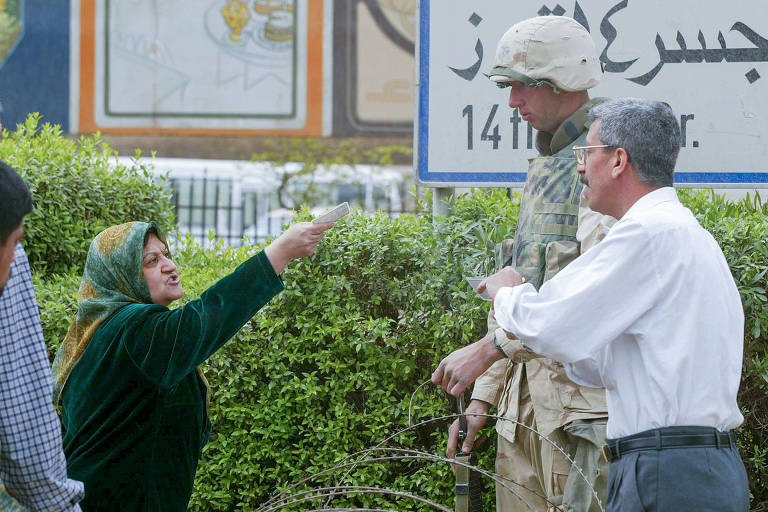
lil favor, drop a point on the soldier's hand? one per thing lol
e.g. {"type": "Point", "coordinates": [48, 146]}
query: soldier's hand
{"type": "Point", "coordinates": [474, 424]}
{"type": "Point", "coordinates": [461, 367]}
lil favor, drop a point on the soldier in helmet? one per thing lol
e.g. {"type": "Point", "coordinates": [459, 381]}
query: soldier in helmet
{"type": "Point", "coordinates": [548, 63]}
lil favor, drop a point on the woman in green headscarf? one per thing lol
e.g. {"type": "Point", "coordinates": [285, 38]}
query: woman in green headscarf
{"type": "Point", "coordinates": [134, 405]}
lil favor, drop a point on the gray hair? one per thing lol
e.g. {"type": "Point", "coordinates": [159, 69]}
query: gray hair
{"type": "Point", "coordinates": [648, 130]}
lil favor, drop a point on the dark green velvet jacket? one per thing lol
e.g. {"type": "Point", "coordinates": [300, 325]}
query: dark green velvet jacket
{"type": "Point", "coordinates": [134, 407]}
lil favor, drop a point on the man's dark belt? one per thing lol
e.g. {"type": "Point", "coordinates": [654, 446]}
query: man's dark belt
{"type": "Point", "coordinates": [668, 437]}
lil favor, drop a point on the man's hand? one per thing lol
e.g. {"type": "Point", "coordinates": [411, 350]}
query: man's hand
{"type": "Point", "coordinates": [474, 424]}
{"type": "Point", "coordinates": [463, 366]}
{"type": "Point", "coordinates": [503, 278]}
{"type": "Point", "coordinates": [298, 241]}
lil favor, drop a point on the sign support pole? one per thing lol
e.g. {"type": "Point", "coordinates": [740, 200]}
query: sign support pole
{"type": "Point", "coordinates": [442, 200]}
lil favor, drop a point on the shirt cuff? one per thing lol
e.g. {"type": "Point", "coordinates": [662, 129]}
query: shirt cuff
{"type": "Point", "coordinates": [505, 301]}
{"type": "Point", "coordinates": [513, 348]}
{"type": "Point", "coordinates": [259, 270]}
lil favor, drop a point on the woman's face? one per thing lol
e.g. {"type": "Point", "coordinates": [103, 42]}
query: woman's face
{"type": "Point", "coordinates": [160, 272]}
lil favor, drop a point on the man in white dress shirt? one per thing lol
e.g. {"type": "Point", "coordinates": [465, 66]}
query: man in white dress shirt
{"type": "Point", "coordinates": [651, 313]}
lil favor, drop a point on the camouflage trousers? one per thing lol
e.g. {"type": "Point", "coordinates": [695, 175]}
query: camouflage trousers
{"type": "Point", "coordinates": [544, 479]}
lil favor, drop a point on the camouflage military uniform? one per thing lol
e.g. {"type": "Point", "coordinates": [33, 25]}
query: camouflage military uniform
{"type": "Point", "coordinates": [536, 391]}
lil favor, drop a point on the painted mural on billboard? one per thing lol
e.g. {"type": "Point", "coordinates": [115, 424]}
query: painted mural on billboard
{"type": "Point", "coordinates": [10, 27]}
{"type": "Point", "coordinates": [34, 61]}
{"type": "Point", "coordinates": [373, 67]}
{"type": "Point", "coordinates": [215, 64]}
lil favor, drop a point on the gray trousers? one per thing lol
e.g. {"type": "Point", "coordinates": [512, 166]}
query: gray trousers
{"type": "Point", "coordinates": [677, 480]}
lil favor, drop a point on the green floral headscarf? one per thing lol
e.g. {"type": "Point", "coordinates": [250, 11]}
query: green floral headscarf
{"type": "Point", "coordinates": [113, 278]}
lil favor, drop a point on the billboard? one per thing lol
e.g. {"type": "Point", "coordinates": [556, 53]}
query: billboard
{"type": "Point", "coordinates": [373, 45]}
{"type": "Point", "coordinates": [213, 66]}
{"type": "Point", "coordinates": [705, 58]}
{"type": "Point", "coordinates": [34, 60]}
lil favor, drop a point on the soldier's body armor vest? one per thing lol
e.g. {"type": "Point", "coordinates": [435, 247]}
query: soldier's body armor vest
{"type": "Point", "coordinates": [549, 211]}
{"type": "Point", "coordinates": [544, 243]}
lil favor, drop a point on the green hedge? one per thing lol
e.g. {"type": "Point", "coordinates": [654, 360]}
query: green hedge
{"type": "Point", "coordinates": [329, 366]}
{"type": "Point", "coordinates": [78, 191]}
{"type": "Point", "coordinates": [741, 229]}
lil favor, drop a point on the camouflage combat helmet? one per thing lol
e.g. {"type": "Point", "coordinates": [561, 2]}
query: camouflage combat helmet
{"type": "Point", "coordinates": [552, 50]}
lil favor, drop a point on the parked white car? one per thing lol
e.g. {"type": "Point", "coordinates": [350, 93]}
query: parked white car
{"type": "Point", "coordinates": [235, 198]}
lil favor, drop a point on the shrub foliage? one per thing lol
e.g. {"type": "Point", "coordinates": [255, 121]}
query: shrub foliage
{"type": "Point", "coordinates": [78, 191]}
{"type": "Point", "coordinates": [741, 229]}
{"type": "Point", "coordinates": [329, 367]}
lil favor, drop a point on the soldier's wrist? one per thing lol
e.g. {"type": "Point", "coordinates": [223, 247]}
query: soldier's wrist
{"type": "Point", "coordinates": [497, 345]}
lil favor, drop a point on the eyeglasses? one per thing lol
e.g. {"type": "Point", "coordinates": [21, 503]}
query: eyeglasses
{"type": "Point", "coordinates": [580, 152]}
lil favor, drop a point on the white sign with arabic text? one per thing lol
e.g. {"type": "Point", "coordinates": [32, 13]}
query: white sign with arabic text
{"type": "Point", "coordinates": [708, 59]}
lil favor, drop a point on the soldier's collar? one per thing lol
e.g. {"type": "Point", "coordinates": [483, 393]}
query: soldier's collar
{"type": "Point", "coordinates": [570, 130]}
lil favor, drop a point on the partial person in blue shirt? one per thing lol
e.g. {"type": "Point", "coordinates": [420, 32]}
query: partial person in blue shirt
{"type": "Point", "coordinates": [32, 465]}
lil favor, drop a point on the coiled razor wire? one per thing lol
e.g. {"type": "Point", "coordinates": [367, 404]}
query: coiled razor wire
{"type": "Point", "coordinates": [282, 500]}
{"type": "Point", "coordinates": [353, 510]}
{"type": "Point", "coordinates": [323, 492]}
{"type": "Point", "coordinates": [364, 457]}
{"type": "Point", "coordinates": [287, 497]}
